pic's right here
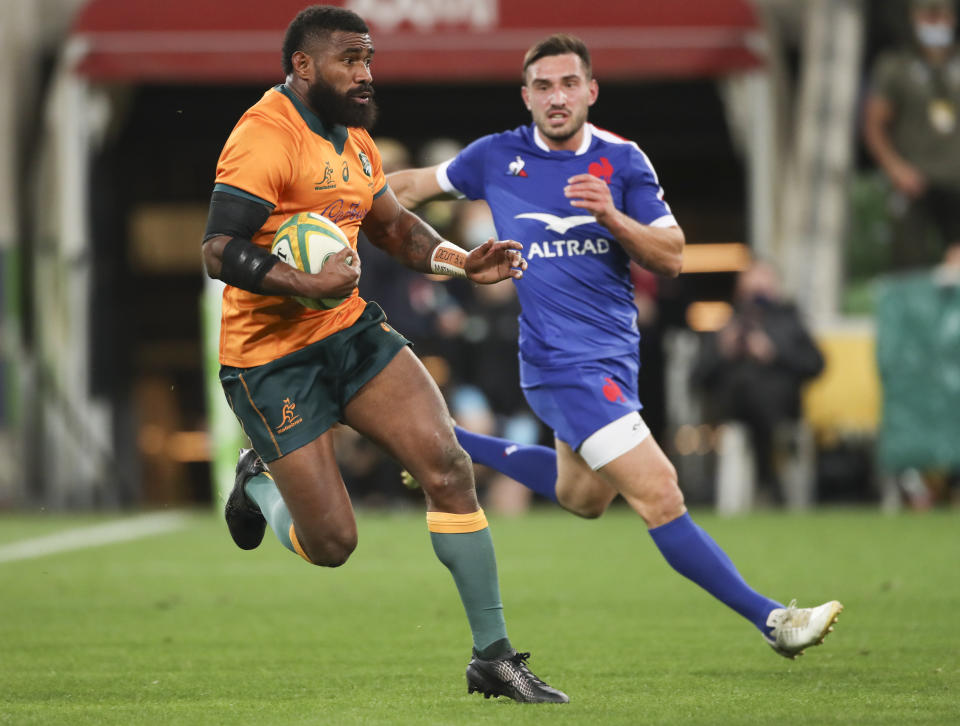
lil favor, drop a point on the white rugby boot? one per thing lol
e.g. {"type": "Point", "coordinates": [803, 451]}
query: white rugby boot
{"type": "Point", "coordinates": [795, 629]}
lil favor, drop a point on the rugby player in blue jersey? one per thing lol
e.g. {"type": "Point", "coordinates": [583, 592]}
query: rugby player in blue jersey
{"type": "Point", "coordinates": [585, 202]}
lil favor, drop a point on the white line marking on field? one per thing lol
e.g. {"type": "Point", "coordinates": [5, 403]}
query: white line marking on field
{"type": "Point", "coordinates": [95, 536]}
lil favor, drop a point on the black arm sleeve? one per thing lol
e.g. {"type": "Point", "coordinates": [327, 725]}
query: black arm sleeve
{"type": "Point", "coordinates": [244, 264]}
{"type": "Point", "coordinates": [234, 216]}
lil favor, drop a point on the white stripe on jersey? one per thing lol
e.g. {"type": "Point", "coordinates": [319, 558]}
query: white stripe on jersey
{"type": "Point", "coordinates": [666, 220]}
{"type": "Point", "coordinates": [444, 181]}
{"type": "Point", "coordinates": [612, 138]}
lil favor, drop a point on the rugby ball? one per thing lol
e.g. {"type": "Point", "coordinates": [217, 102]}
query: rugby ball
{"type": "Point", "coordinates": [306, 241]}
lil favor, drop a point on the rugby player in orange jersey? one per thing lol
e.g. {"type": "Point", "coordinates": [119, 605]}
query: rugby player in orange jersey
{"type": "Point", "coordinates": [290, 372]}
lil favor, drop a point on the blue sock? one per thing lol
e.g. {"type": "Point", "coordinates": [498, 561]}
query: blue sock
{"type": "Point", "coordinates": [693, 553]}
{"type": "Point", "coordinates": [533, 466]}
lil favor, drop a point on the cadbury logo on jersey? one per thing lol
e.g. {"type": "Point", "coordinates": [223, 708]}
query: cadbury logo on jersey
{"type": "Point", "coordinates": [568, 248]}
{"type": "Point", "coordinates": [339, 211]}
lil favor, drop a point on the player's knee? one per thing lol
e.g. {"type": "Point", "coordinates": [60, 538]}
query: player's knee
{"type": "Point", "coordinates": [666, 501]}
{"type": "Point", "coordinates": [659, 499]}
{"type": "Point", "coordinates": [449, 474]}
{"type": "Point", "coordinates": [332, 550]}
{"type": "Point", "coordinates": [587, 508]}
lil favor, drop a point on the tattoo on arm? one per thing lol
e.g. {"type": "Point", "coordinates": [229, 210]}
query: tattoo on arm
{"type": "Point", "coordinates": [402, 234]}
{"type": "Point", "coordinates": [419, 241]}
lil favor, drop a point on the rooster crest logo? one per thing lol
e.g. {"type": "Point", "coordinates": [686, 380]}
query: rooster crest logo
{"type": "Point", "coordinates": [603, 169]}
{"type": "Point", "coordinates": [515, 168]}
{"type": "Point", "coordinates": [612, 392]}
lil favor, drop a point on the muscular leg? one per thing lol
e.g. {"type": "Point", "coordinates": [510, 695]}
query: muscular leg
{"type": "Point", "coordinates": [580, 489]}
{"type": "Point", "coordinates": [648, 481]}
{"type": "Point", "coordinates": [560, 475]}
{"type": "Point", "coordinates": [316, 500]}
{"type": "Point", "coordinates": [533, 466]}
{"type": "Point", "coordinates": [402, 410]}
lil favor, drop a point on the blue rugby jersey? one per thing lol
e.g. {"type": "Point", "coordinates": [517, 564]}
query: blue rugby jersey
{"type": "Point", "coordinates": [576, 295]}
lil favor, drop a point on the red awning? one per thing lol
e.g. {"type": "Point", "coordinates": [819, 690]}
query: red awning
{"type": "Point", "coordinates": [416, 40]}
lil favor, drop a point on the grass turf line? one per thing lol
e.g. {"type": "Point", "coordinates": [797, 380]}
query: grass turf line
{"type": "Point", "coordinates": [187, 629]}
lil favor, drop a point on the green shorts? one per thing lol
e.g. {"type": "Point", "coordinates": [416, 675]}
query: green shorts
{"type": "Point", "coordinates": [287, 403]}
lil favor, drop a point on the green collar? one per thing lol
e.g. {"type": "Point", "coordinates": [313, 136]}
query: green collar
{"type": "Point", "coordinates": [336, 135]}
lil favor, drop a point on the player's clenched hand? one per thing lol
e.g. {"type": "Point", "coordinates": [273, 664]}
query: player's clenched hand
{"type": "Point", "coordinates": [591, 194]}
{"type": "Point", "coordinates": [337, 278]}
{"type": "Point", "coordinates": [494, 261]}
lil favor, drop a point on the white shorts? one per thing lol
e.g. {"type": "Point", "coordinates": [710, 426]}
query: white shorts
{"type": "Point", "coordinates": [613, 440]}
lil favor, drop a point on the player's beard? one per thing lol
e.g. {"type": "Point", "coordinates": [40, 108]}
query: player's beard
{"type": "Point", "coordinates": [338, 108]}
{"type": "Point", "coordinates": [574, 124]}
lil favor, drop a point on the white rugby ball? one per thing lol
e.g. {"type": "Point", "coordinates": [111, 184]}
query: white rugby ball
{"type": "Point", "coordinates": [306, 241]}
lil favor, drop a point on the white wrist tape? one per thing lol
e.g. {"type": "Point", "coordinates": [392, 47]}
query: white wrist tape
{"type": "Point", "coordinates": [448, 259]}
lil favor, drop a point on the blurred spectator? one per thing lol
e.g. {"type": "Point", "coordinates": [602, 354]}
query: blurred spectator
{"type": "Point", "coordinates": [918, 355]}
{"type": "Point", "coordinates": [438, 151]}
{"type": "Point", "coordinates": [393, 154]}
{"type": "Point", "coordinates": [418, 306]}
{"type": "Point", "coordinates": [441, 214]}
{"type": "Point", "coordinates": [753, 369]}
{"type": "Point", "coordinates": [911, 130]}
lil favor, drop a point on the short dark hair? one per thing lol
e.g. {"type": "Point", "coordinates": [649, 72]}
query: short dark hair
{"type": "Point", "coordinates": [314, 22]}
{"type": "Point", "coordinates": [558, 44]}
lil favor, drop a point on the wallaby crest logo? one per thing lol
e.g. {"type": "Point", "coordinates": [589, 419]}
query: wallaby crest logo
{"type": "Point", "coordinates": [289, 416]}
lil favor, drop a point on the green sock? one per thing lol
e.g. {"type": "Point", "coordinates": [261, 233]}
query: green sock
{"type": "Point", "coordinates": [262, 490]}
{"type": "Point", "coordinates": [470, 558]}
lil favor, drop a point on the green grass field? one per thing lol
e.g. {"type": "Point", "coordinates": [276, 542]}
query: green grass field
{"type": "Point", "coordinates": [183, 628]}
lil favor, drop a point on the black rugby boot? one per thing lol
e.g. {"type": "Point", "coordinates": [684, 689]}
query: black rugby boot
{"type": "Point", "coordinates": [244, 519]}
{"type": "Point", "coordinates": [509, 676]}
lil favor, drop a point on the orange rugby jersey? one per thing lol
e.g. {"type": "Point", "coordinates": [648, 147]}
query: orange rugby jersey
{"type": "Point", "coordinates": [280, 154]}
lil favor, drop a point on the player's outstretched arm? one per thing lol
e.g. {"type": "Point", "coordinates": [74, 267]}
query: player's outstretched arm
{"type": "Point", "coordinates": [658, 249]}
{"type": "Point", "coordinates": [414, 243]}
{"type": "Point", "coordinates": [416, 186]}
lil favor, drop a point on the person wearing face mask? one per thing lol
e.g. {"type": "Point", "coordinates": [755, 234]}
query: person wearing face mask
{"type": "Point", "coordinates": [754, 368]}
{"type": "Point", "coordinates": [911, 127]}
